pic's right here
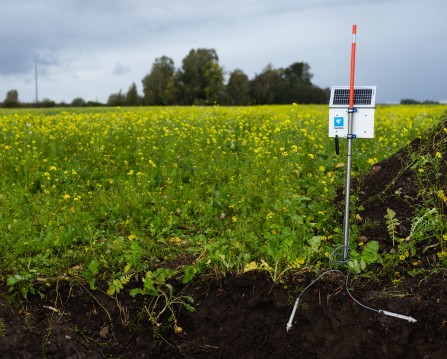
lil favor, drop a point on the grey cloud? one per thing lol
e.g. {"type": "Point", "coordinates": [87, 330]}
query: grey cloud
{"type": "Point", "coordinates": [90, 40]}
{"type": "Point", "coordinates": [121, 69]}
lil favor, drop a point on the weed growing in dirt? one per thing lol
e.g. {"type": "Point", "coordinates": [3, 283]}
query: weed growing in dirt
{"type": "Point", "coordinates": [161, 300]}
{"type": "Point", "coordinates": [2, 327]}
{"type": "Point", "coordinates": [391, 223]}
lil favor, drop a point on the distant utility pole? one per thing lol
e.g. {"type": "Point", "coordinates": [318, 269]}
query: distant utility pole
{"type": "Point", "coordinates": [35, 80]}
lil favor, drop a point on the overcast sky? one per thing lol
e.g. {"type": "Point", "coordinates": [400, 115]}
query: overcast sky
{"type": "Point", "coordinates": [92, 48]}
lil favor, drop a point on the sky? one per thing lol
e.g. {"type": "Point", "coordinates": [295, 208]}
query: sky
{"type": "Point", "coordinates": [93, 48]}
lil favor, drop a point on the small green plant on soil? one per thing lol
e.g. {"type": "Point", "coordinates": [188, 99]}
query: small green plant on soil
{"type": "Point", "coordinates": [424, 227]}
{"type": "Point", "coordinates": [2, 327]}
{"type": "Point", "coordinates": [359, 261]}
{"type": "Point", "coordinates": [391, 224]}
{"type": "Point", "coordinates": [161, 301]}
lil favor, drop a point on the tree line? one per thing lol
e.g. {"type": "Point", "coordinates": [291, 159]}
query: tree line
{"type": "Point", "coordinates": [201, 81]}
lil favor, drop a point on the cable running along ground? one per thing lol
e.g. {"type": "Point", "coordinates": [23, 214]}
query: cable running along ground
{"type": "Point", "coordinates": [332, 262]}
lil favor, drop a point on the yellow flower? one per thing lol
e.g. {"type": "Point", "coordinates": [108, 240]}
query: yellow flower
{"type": "Point", "coordinates": [234, 219]}
{"type": "Point", "coordinates": [372, 161]}
{"type": "Point", "coordinates": [270, 215]}
{"type": "Point", "coordinates": [66, 196]}
{"type": "Point", "coordinates": [438, 155]}
{"type": "Point", "coordinates": [175, 240]}
{"type": "Point", "coordinates": [442, 196]}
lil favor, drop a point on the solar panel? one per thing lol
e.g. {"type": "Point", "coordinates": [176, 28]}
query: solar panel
{"type": "Point", "coordinates": [363, 96]}
{"type": "Point", "coordinates": [363, 116]}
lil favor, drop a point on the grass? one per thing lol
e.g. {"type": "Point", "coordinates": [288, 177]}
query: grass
{"type": "Point", "coordinates": [113, 194]}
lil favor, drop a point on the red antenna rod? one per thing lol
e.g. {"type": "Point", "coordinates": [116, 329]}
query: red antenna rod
{"type": "Point", "coordinates": [351, 84]}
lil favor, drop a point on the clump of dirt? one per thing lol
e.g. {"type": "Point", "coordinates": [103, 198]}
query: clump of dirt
{"type": "Point", "coordinates": [246, 315]}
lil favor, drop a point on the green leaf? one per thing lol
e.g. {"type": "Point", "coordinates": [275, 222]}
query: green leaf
{"type": "Point", "coordinates": [136, 291]}
{"type": "Point", "coordinates": [93, 267]}
{"type": "Point", "coordinates": [189, 275]}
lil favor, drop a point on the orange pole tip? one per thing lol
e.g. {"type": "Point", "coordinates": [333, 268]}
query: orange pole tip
{"type": "Point", "coordinates": [354, 29]}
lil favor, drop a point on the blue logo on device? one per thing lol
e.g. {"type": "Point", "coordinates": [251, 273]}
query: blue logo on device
{"type": "Point", "coordinates": [339, 122]}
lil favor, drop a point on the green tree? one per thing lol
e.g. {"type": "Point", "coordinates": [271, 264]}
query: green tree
{"type": "Point", "coordinates": [281, 86]}
{"type": "Point", "coordinates": [201, 77]}
{"type": "Point", "coordinates": [116, 99]}
{"type": "Point", "coordinates": [46, 102]}
{"type": "Point", "coordinates": [299, 87]}
{"type": "Point", "coordinates": [78, 102]}
{"type": "Point", "coordinates": [215, 88]}
{"type": "Point", "coordinates": [11, 99]}
{"type": "Point", "coordinates": [174, 91]}
{"type": "Point", "coordinates": [409, 101]}
{"type": "Point", "coordinates": [298, 73]}
{"type": "Point", "coordinates": [132, 95]}
{"type": "Point", "coordinates": [265, 87]}
{"type": "Point", "coordinates": [157, 85]}
{"type": "Point", "coordinates": [238, 89]}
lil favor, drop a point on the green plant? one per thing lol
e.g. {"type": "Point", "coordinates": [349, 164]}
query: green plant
{"type": "Point", "coordinates": [425, 224]}
{"type": "Point", "coordinates": [391, 224]}
{"type": "Point", "coordinates": [25, 282]}
{"type": "Point", "coordinates": [2, 327]}
{"type": "Point", "coordinates": [91, 273]}
{"type": "Point", "coordinates": [359, 261]}
{"type": "Point", "coordinates": [161, 300]}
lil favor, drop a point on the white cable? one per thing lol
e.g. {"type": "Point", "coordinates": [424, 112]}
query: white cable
{"type": "Point", "coordinates": [295, 306]}
{"type": "Point", "coordinates": [292, 316]}
{"type": "Point", "coordinates": [380, 311]}
{"type": "Point", "coordinates": [400, 316]}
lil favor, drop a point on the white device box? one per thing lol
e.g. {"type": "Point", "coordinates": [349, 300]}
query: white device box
{"type": "Point", "coordinates": [363, 116]}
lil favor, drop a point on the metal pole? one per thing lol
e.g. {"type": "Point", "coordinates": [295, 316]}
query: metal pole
{"type": "Point", "coordinates": [348, 188]}
{"type": "Point", "coordinates": [350, 136]}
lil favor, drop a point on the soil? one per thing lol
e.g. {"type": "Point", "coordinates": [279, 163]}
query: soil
{"type": "Point", "coordinates": [245, 316]}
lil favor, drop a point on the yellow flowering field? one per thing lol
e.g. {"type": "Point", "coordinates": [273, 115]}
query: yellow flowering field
{"type": "Point", "coordinates": [115, 194]}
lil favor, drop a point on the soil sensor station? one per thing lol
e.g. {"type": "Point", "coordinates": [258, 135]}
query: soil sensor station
{"type": "Point", "coordinates": [347, 102]}
{"type": "Point", "coordinates": [351, 115]}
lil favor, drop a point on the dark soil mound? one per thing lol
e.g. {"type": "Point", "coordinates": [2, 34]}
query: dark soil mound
{"type": "Point", "coordinates": [406, 183]}
{"type": "Point", "coordinates": [245, 316]}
